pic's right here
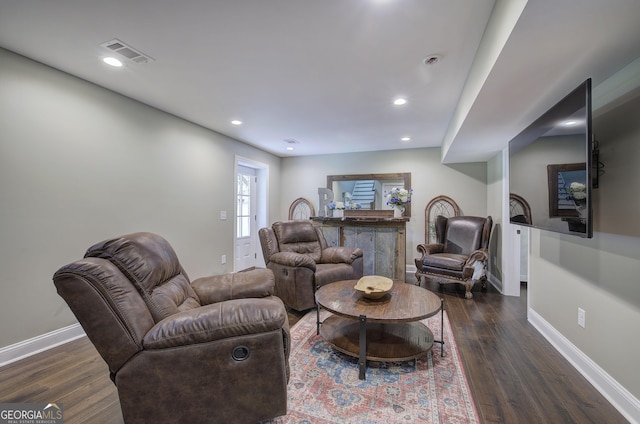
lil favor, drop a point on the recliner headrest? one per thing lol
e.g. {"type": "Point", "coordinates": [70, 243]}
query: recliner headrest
{"type": "Point", "coordinates": [295, 232]}
{"type": "Point", "coordinates": [299, 237]}
{"type": "Point", "coordinates": [144, 257]}
{"type": "Point", "coordinates": [151, 264]}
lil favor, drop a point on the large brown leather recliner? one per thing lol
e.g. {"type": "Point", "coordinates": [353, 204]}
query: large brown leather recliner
{"type": "Point", "coordinates": [214, 350]}
{"type": "Point", "coordinates": [460, 253]}
{"type": "Point", "coordinates": [298, 254]}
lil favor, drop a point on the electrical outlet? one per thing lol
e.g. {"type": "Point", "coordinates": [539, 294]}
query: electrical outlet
{"type": "Point", "coordinates": [223, 259]}
{"type": "Point", "coordinates": [582, 317]}
{"type": "Point", "coordinates": [223, 215]}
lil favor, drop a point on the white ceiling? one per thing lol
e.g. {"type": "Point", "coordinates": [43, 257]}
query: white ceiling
{"type": "Point", "coordinates": [325, 73]}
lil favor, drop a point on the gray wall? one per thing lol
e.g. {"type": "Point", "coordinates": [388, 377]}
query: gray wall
{"type": "Point", "coordinates": [495, 194]}
{"type": "Point", "coordinates": [599, 275]}
{"type": "Point", "coordinates": [79, 164]}
{"type": "Point", "coordinates": [465, 183]}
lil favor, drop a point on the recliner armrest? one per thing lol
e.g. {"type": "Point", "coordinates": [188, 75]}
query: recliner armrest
{"type": "Point", "coordinates": [255, 283]}
{"type": "Point", "coordinates": [293, 260]}
{"type": "Point", "coordinates": [340, 254]}
{"type": "Point", "coordinates": [217, 321]}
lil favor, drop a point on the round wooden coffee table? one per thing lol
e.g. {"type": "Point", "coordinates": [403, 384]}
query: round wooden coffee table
{"type": "Point", "coordinates": [385, 330]}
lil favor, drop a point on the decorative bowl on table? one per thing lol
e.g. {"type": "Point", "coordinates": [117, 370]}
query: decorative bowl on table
{"type": "Point", "coordinates": [374, 286]}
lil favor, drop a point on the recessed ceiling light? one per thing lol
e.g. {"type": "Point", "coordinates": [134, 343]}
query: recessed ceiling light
{"type": "Point", "coordinates": [399, 101]}
{"type": "Point", "coordinates": [570, 123]}
{"type": "Point", "coordinates": [432, 59]}
{"type": "Point", "coordinates": [112, 61]}
{"type": "Point", "coordinates": [405, 139]}
{"type": "Point", "coordinates": [290, 142]}
{"type": "Point", "coordinates": [236, 122]}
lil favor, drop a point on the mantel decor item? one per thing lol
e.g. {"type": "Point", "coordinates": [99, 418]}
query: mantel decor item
{"type": "Point", "coordinates": [337, 209]}
{"type": "Point", "coordinates": [325, 196]}
{"type": "Point", "coordinates": [374, 286]}
{"type": "Point", "coordinates": [398, 198]}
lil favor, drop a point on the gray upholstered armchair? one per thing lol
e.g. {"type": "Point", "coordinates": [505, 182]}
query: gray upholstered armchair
{"type": "Point", "coordinates": [459, 254]}
{"type": "Point", "coordinates": [298, 255]}
{"type": "Point", "coordinates": [212, 350]}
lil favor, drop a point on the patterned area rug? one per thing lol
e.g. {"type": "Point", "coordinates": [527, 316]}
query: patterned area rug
{"type": "Point", "coordinates": [324, 385]}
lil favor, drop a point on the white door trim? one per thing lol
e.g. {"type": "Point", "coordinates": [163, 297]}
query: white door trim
{"type": "Point", "coordinates": [262, 204]}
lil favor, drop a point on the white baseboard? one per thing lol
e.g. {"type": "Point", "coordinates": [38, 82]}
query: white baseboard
{"type": "Point", "coordinates": [26, 348]}
{"type": "Point", "coordinates": [410, 273]}
{"type": "Point", "coordinates": [614, 392]}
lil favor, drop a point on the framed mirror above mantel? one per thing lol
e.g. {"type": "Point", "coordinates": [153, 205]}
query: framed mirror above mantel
{"type": "Point", "coordinates": [368, 191]}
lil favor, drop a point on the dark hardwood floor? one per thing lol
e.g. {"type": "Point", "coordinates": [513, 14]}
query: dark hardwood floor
{"type": "Point", "coordinates": [515, 375]}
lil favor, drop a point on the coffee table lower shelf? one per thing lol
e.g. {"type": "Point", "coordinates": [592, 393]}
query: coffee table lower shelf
{"type": "Point", "coordinates": [382, 342]}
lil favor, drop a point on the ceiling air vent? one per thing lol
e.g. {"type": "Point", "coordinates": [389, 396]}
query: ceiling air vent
{"type": "Point", "coordinates": [129, 52]}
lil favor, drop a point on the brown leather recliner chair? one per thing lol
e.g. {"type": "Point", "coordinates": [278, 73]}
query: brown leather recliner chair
{"type": "Point", "coordinates": [298, 254]}
{"type": "Point", "coordinates": [459, 254]}
{"type": "Point", "coordinates": [208, 351]}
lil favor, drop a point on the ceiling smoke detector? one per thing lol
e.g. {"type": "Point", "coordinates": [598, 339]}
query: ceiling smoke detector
{"type": "Point", "coordinates": [432, 59]}
{"type": "Point", "coordinates": [127, 51]}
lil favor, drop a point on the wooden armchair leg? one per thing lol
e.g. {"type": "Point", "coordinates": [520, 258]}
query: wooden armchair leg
{"type": "Point", "coordinates": [468, 287]}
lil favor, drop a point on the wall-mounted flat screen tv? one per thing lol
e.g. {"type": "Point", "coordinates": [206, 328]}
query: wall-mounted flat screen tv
{"type": "Point", "coordinates": [550, 168]}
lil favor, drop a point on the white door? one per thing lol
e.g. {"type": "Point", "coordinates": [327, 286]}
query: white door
{"type": "Point", "coordinates": [246, 200]}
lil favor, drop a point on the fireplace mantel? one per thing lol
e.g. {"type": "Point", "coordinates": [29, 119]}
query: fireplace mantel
{"type": "Point", "coordinates": [382, 239]}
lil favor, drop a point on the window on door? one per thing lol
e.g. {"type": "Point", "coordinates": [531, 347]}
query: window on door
{"type": "Point", "coordinates": [246, 202]}
{"type": "Point", "coordinates": [243, 205]}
